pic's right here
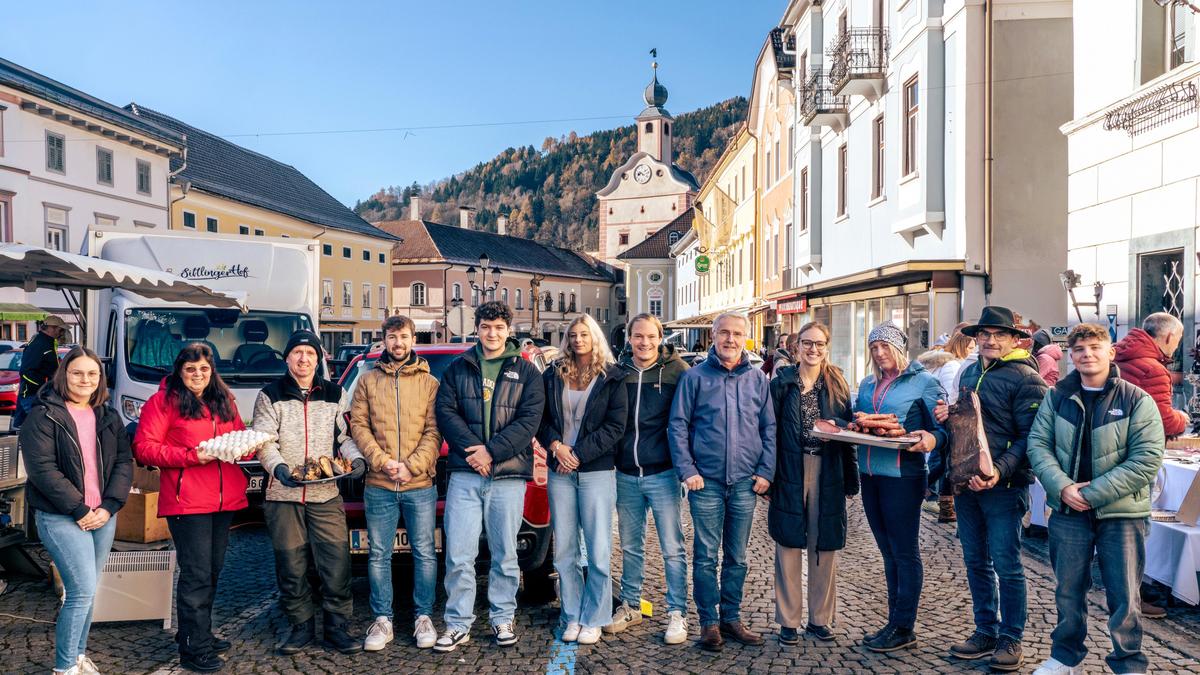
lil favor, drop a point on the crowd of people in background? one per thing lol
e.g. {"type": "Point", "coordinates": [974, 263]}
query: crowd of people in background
{"type": "Point", "coordinates": [625, 434]}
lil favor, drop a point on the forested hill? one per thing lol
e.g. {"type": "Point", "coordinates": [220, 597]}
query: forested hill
{"type": "Point", "coordinates": [548, 193]}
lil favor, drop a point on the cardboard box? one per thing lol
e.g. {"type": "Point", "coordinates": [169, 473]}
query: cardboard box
{"type": "Point", "coordinates": [138, 521]}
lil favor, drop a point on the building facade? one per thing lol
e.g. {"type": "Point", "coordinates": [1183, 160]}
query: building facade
{"type": "Point", "coordinates": [70, 162]}
{"type": "Point", "coordinates": [224, 188]}
{"type": "Point", "coordinates": [650, 270]}
{"type": "Point", "coordinates": [898, 212]}
{"type": "Point", "coordinates": [1134, 178]}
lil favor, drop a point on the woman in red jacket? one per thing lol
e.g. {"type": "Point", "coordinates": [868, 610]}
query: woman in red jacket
{"type": "Point", "coordinates": [198, 494]}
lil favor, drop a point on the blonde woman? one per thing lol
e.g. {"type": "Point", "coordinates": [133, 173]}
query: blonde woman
{"type": "Point", "coordinates": [584, 420]}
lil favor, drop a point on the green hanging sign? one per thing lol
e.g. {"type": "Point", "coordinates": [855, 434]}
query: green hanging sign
{"type": "Point", "coordinates": [702, 264]}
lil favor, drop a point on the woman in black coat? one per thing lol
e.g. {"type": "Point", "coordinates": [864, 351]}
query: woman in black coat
{"type": "Point", "coordinates": [80, 467]}
{"type": "Point", "coordinates": [812, 480]}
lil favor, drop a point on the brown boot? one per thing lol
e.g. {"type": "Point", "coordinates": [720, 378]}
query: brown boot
{"type": "Point", "coordinates": [1150, 611]}
{"type": "Point", "coordinates": [710, 639]}
{"type": "Point", "coordinates": [946, 510]}
{"type": "Point", "coordinates": [738, 631]}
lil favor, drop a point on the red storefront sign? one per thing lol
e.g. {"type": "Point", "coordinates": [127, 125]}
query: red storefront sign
{"type": "Point", "coordinates": [798, 306]}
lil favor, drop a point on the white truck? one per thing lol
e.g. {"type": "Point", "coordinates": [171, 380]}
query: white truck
{"type": "Point", "coordinates": [277, 280]}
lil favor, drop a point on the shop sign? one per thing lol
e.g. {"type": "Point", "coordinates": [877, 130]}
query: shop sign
{"type": "Point", "coordinates": [702, 264]}
{"type": "Point", "coordinates": [798, 306]}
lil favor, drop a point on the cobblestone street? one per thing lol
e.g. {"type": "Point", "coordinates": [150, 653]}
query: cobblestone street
{"type": "Point", "coordinates": [246, 613]}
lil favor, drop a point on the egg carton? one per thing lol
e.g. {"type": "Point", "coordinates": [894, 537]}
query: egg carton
{"type": "Point", "coordinates": [235, 445]}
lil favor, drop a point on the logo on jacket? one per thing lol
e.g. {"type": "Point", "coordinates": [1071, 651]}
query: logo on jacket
{"type": "Point", "coordinates": [512, 375]}
{"type": "Point", "coordinates": [1116, 412]}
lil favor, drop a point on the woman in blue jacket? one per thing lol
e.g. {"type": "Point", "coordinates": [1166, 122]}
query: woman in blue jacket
{"type": "Point", "coordinates": [893, 481]}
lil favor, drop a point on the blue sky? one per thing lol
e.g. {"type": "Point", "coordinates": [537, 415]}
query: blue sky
{"type": "Point", "coordinates": [257, 71]}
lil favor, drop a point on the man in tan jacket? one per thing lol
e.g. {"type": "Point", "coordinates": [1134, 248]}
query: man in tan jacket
{"type": "Point", "coordinates": [392, 422]}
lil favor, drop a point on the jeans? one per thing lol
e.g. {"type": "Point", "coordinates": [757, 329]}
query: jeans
{"type": "Point", "coordinates": [383, 507]}
{"type": "Point", "coordinates": [661, 493]}
{"type": "Point", "coordinates": [1120, 544]}
{"type": "Point", "coordinates": [24, 405]}
{"type": "Point", "coordinates": [79, 556]}
{"type": "Point", "coordinates": [200, 543]}
{"type": "Point", "coordinates": [893, 508]}
{"type": "Point", "coordinates": [989, 528]}
{"type": "Point", "coordinates": [583, 501]}
{"type": "Point", "coordinates": [721, 518]}
{"type": "Point", "coordinates": [475, 505]}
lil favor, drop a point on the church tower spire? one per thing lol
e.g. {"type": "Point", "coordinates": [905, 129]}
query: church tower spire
{"type": "Point", "coordinates": [654, 124]}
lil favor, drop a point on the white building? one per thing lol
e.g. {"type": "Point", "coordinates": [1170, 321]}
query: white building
{"type": "Point", "coordinates": [1134, 157]}
{"type": "Point", "coordinates": [899, 213]}
{"type": "Point", "coordinates": [70, 162]}
{"type": "Point", "coordinates": [687, 290]}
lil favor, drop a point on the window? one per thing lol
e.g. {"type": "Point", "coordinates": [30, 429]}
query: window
{"type": "Point", "coordinates": [245, 231]}
{"type": "Point", "coordinates": [623, 239]}
{"type": "Point", "coordinates": [1181, 36]}
{"type": "Point", "coordinates": [2, 109]}
{"type": "Point", "coordinates": [910, 126]}
{"type": "Point", "coordinates": [56, 228]}
{"type": "Point", "coordinates": [105, 221]}
{"type": "Point", "coordinates": [457, 292]}
{"type": "Point", "coordinates": [843, 179]}
{"type": "Point", "coordinates": [211, 224]}
{"type": "Point", "coordinates": [562, 302]}
{"type": "Point", "coordinates": [518, 304]}
{"type": "Point", "coordinates": [791, 148]}
{"type": "Point", "coordinates": [768, 183]}
{"type": "Point", "coordinates": [285, 235]}
{"type": "Point", "coordinates": [327, 292]}
{"type": "Point", "coordinates": [649, 127]}
{"type": "Point", "coordinates": [143, 177]}
{"type": "Point", "coordinates": [777, 173]}
{"type": "Point", "coordinates": [366, 295]}
{"type": "Point", "coordinates": [606, 315]}
{"type": "Point", "coordinates": [656, 308]}
{"type": "Point", "coordinates": [804, 199]}
{"type": "Point", "coordinates": [877, 165]}
{"type": "Point", "coordinates": [189, 220]}
{"type": "Point", "coordinates": [787, 247]}
{"type": "Point", "coordinates": [104, 166]}
{"type": "Point", "coordinates": [383, 303]}
{"type": "Point", "coordinates": [474, 297]}
{"type": "Point", "coordinates": [56, 152]}
{"type": "Point", "coordinates": [258, 232]}
{"type": "Point", "coordinates": [366, 255]}
{"type": "Point", "coordinates": [666, 129]}
{"type": "Point", "coordinates": [382, 258]}
{"type": "Point", "coordinates": [571, 304]}
{"type": "Point", "coordinates": [674, 237]}
{"type": "Point", "coordinates": [326, 249]}
{"type": "Point", "coordinates": [418, 294]}
{"type": "Point", "coordinates": [6, 227]}
{"type": "Point", "coordinates": [504, 295]}
{"type": "Point", "coordinates": [346, 252]}
{"type": "Point", "coordinates": [347, 293]}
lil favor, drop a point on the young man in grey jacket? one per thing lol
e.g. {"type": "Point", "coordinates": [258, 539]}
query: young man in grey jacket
{"type": "Point", "coordinates": [305, 413]}
{"type": "Point", "coordinates": [722, 439]}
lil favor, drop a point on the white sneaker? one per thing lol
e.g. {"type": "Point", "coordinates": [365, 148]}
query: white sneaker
{"type": "Point", "coordinates": [73, 670]}
{"type": "Point", "coordinates": [450, 639]}
{"type": "Point", "coordinates": [1053, 666]}
{"type": "Point", "coordinates": [378, 635]}
{"type": "Point", "coordinates": [677, 628]}
{"type": "Point", "coordinates": [589, 635]}
{"type": "Point", "coordinates": [85, 666]}
{"type": "Point", "coordinates": [424, 632]}
{"type": "Point", "coordinates": [623, 618]}
{"type": "Point", "coordinates": [505, 637]}
{"type": "Point", "coordinates": [571, 632]}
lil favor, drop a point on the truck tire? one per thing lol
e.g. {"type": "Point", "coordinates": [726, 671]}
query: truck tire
{"type": "Point", "coordinates": [539, 583]}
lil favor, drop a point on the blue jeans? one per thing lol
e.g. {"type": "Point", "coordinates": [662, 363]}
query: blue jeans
{"type": "Point", "coordinates": [1120, 544]}
{"type": "Point", "coordinates": [893, 508]}
{"type": "Point", "coordinates": [583, 501]}
{"type": "Point", "coordinates": [383, 507]}
{"type": "Point", "coordinates": [989, 528]}
{"type": "Point", "coordinates": [79, 557]}
{"type": "Point", "coordinates": [476, 505]}
{"type": "Point", "coordinates": [661, 493]}
{"type": "Point", "coordinates": [721, 519]}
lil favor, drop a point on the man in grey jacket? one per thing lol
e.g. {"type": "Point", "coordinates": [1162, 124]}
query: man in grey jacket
{"type": "Point", "coordinates": [722, 439]}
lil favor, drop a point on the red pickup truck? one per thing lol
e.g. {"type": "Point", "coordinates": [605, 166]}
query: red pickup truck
{"type": "Point", "coordinates": [533, 540]}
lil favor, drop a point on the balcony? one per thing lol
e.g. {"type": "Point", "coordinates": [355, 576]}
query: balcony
{"type": "Point", "coordinates": [859, 62]}
{"type": "Point", "coordinates": [819, 106]}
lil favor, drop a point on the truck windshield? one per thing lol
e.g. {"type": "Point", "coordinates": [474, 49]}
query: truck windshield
{"type": "Point", "coordinates": [246, 346]}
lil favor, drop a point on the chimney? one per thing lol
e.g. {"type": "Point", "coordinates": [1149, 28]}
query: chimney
{"type": "Point", "coordinates": [502, 225]}
{"type": "Point", "coordinates": [464, 217]}
{"type": "Point", "coordinates": [414, 208]}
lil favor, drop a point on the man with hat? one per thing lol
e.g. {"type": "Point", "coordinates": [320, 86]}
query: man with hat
{"type": "Point", "coordinates": [305, 413]}
{"type": "Point", "coordinates": [990, 511]}
{"type": "Point", "coordinates": [39, 360]}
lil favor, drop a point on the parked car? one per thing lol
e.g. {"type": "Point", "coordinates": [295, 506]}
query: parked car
{"type": "Point", "coordinates": [9, 345]}
{"type": "Point", "coordinates": [10, 378]}
{"type": "Point", "coordinates": [533, 539]}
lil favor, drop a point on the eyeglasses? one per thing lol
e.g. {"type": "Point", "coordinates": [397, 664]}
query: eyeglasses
{"type": "Point", "coordinates": [814, 344]}
{"type": "Point", "coordinates": [991, 336]}
{"type": "Point", "coordinates": [83, 375]}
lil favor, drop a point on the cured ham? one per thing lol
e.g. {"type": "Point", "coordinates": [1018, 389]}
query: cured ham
{"type": "Point", "coordinates": [969, 453]}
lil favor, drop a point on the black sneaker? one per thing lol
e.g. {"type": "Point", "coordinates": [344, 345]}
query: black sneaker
{"type": "Point", "coordinates": [820, 632]}
{"type": "Point", "coordinates": [505, 635]}
{"type": "Point", "coordinates": [301, 636]}
{"type": "Point", "coordinates": [892, 639]}
{"type": "Point", "coordinates": [789, 636]}
{"type": "Point", "coordinates": [221, 646]}
{"type": "Point", "coordinates": [450, 639]}
{"type": "Point", "coordinates": [207, 662]}
{"type": "Point", "coordinates": [975, 647]}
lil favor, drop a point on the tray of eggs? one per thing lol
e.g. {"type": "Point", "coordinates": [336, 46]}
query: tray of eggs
{"type": "Point", "coordinates": [235, 445]}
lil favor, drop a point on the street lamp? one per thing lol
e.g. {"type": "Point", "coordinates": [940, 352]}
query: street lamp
{"type": "Point", "coordinates": [535, 297]}
{"type": "Point", "coordinates": [483, 287]}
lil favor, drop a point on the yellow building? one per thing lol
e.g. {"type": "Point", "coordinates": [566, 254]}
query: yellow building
{"type": "Point", "coordinates": [226, 189]}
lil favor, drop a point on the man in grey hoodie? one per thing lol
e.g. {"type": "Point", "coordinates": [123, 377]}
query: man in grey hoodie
{"type": "Point", "coordinates": [722, 439]}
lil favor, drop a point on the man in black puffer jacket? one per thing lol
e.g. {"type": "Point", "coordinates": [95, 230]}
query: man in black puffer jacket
{"type": "Point", "coordinates": [989, 512]}
{"type": "Point", "coordinates": [489, 406]}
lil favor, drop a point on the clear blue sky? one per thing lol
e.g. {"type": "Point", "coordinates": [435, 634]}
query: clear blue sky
{"type": "Point", "coordinates": [264, 67]}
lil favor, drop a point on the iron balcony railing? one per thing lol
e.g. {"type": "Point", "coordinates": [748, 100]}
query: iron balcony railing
{"type": "Point", "coordinates": [858, 52]}
{"type": "Point", "coordinates": [817, 97]}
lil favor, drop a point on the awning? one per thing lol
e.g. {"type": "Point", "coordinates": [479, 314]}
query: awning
{"type": "Point", "coordinates": [425, 324]}
{"type": "Point", "coordinates": [34, 267]}
{"type": "Point", "coordinates": [701, 321]}
{"type": "Point", "coordinates": [20, 311]}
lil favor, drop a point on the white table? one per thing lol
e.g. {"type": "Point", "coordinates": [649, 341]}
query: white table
{"type": "Point", "coordinates": [1173, 558]}
{"type": "Point", "coordinates": [1173, 477]}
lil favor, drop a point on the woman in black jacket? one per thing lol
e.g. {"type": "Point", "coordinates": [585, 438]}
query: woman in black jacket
{"type": "Point", "coordinates": [80, 467]}
{"type": "Point", "coordinates": [807, 510]}
{"type": "Point", "coordinates": [586, 407]}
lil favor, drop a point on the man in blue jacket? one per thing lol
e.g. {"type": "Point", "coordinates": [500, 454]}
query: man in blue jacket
{"type": "Point", "coordinates": [722, 440]}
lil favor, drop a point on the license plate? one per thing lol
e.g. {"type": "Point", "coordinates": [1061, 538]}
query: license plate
{"type": "Point", "coordinates": [255, 484]}
{"type": "Point", "coordinates": [360, 544]}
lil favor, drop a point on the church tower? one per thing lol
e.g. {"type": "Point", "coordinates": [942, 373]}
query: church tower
{"type": "Point", "coordinates": [654, 123]}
